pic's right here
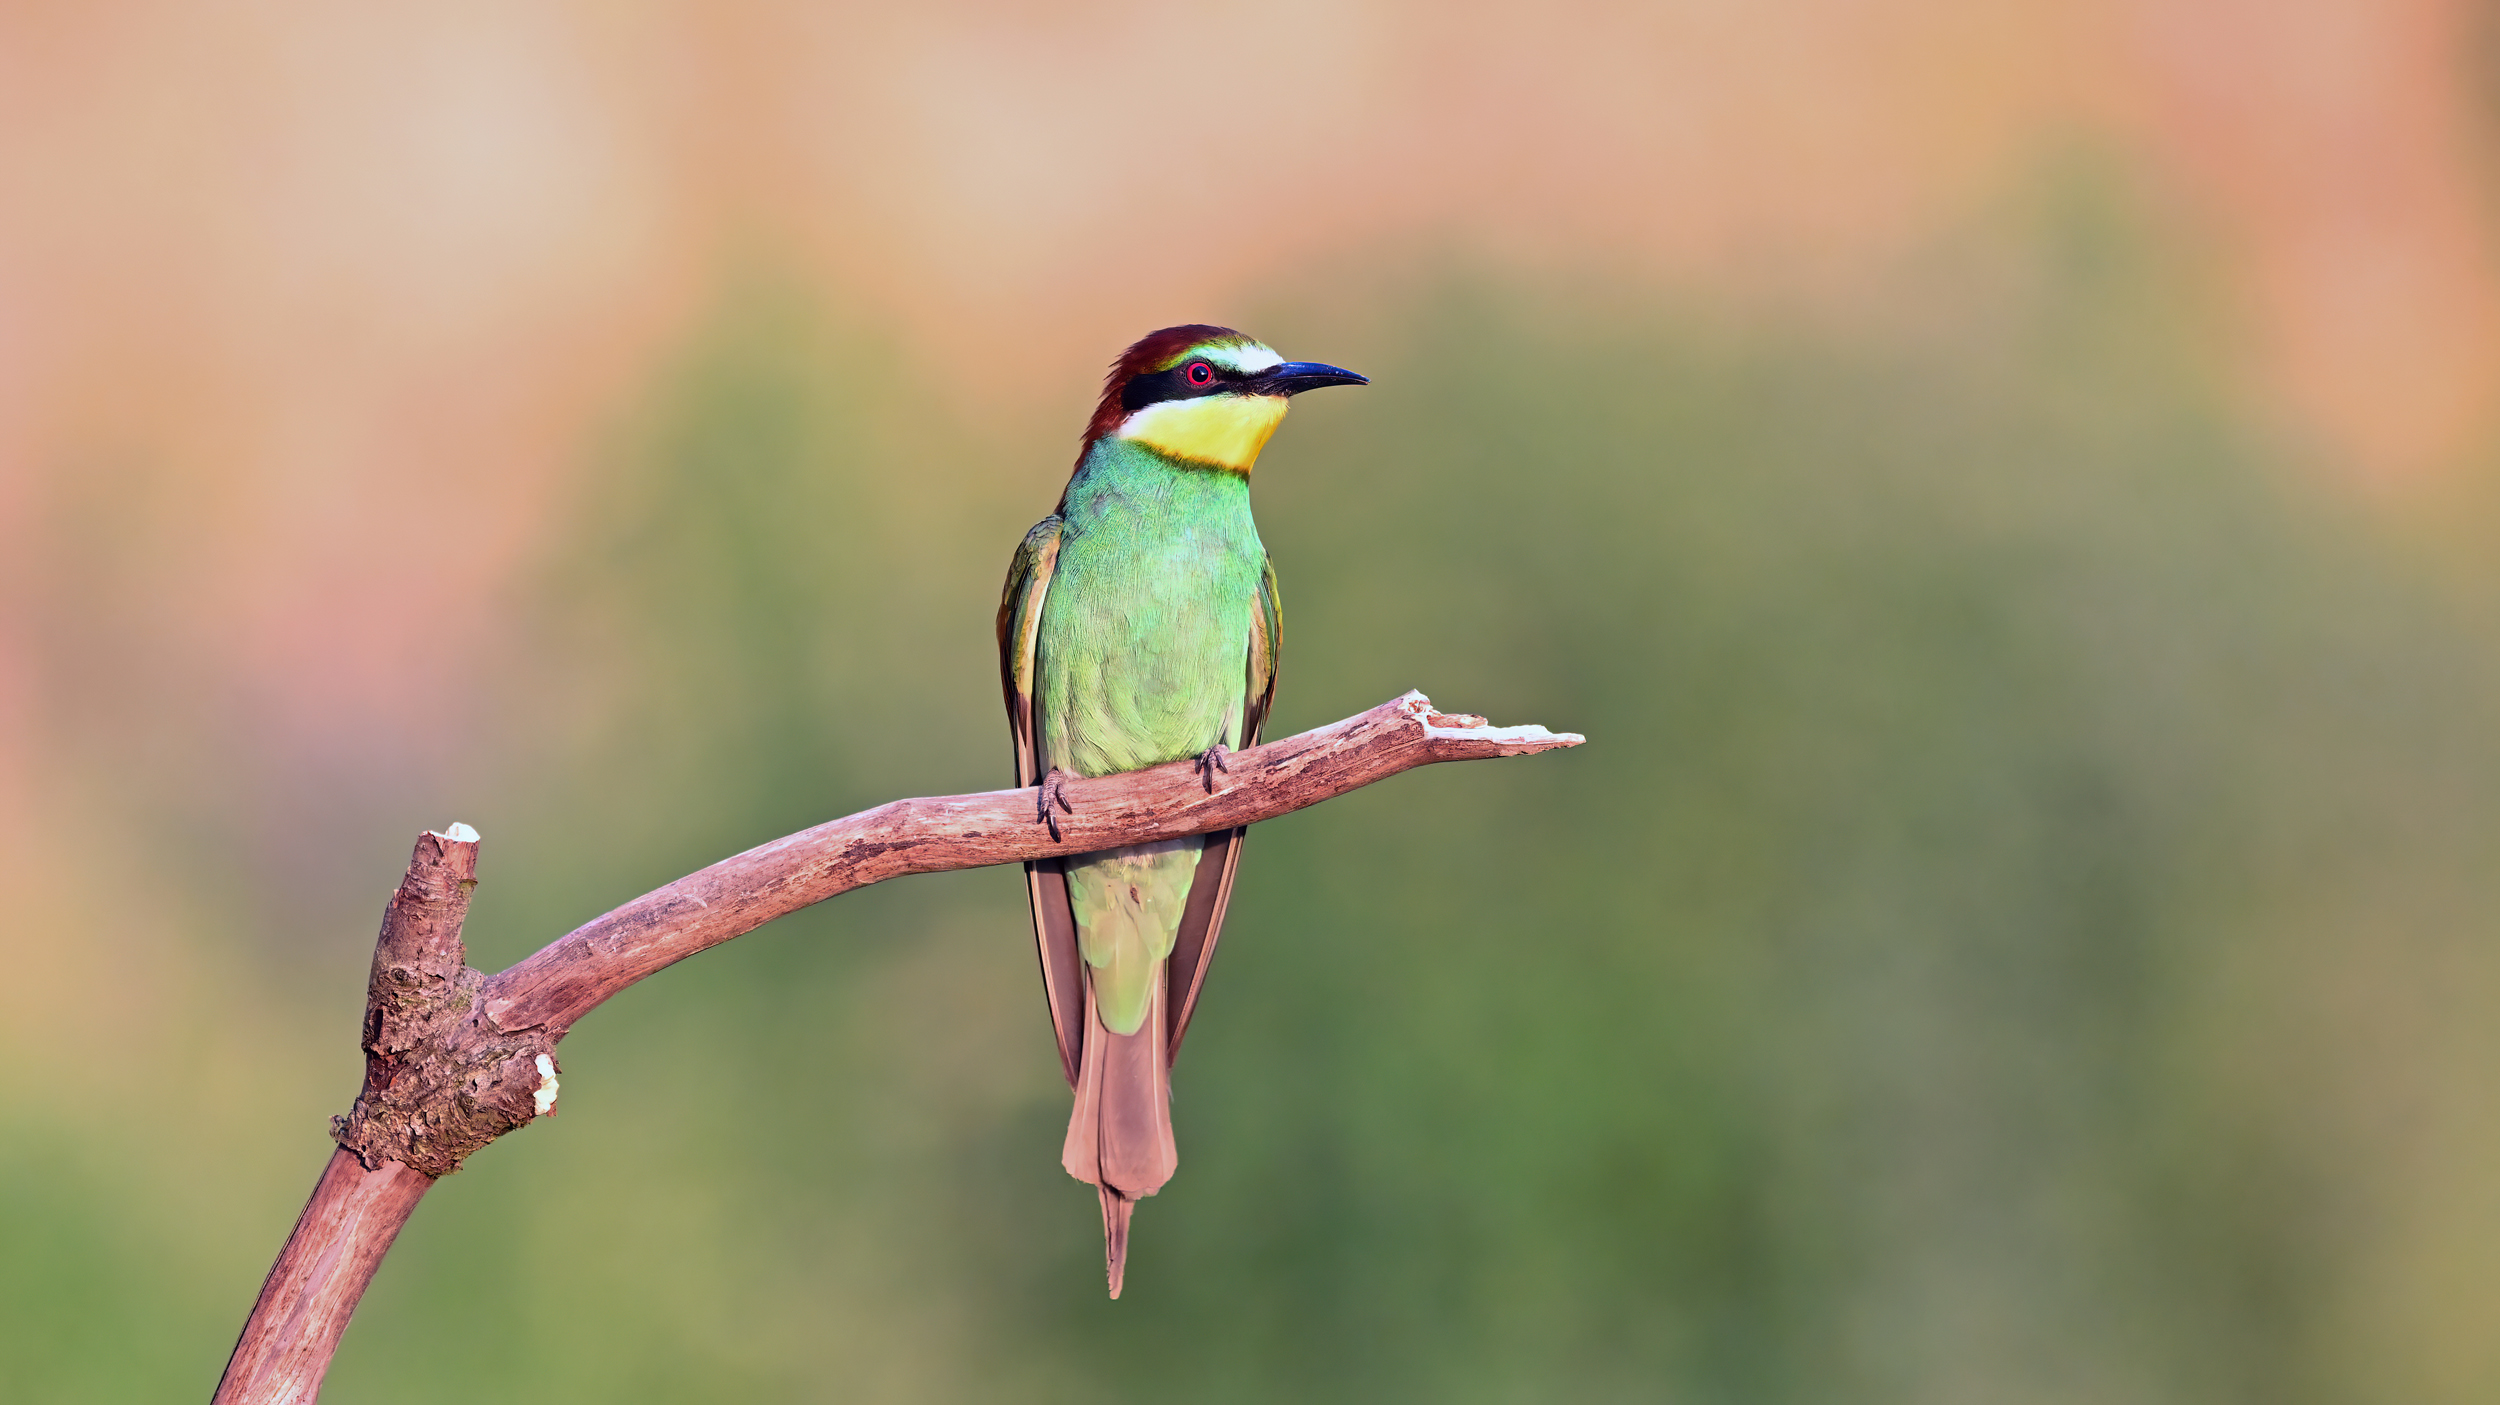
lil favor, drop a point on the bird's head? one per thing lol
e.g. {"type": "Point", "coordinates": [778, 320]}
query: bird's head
{"type": "Point", "coordinates": [1207, 395]}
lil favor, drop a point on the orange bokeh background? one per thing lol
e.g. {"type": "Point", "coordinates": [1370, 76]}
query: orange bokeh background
{"type": "Point", "coordinates": [321, 325]}
{"type": "Point", "coordinates": [371, 279]}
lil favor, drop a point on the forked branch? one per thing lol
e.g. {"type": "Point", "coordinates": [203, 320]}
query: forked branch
{"type": "Point", "coordinates": [454, 1059]}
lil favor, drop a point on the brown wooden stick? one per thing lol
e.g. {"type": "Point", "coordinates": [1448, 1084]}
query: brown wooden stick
{"type": "Point", "coordinates": [419, 981]}
{"type": "Point", "coordinates": [454, 1059]}
{"type": "Point", "coordinates": [312, 1290]}
{"type": "Point", "coordinates": [568, 979]}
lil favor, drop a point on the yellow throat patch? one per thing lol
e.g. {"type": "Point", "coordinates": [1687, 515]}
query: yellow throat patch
{"type": "Point", "coordinates": [1224, 430]}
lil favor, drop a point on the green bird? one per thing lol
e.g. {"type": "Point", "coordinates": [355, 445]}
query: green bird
{"type": "Point", "coordinates": [1140, 625]}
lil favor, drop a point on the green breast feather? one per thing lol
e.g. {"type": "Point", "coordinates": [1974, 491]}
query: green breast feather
{"type": "Point", "coordinates": [1142, 657]}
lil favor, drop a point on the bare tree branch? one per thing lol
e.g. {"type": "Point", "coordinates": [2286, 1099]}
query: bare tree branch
{"type": "Point", "coordinates": [312, 1290]}
{"type": "Point", "coordinates": [454, 1059]}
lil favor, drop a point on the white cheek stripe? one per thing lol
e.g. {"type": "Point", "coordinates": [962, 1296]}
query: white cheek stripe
{"type": "Point", "coordinates": [1249, 358]}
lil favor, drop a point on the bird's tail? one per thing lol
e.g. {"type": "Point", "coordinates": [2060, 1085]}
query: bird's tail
{"type": "Point", "coordinates": [1120, 1133]}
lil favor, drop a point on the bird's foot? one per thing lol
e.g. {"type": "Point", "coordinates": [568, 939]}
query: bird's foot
{"type": "Point", "coordinates": [1054, 791]}
{"type": "Point", "coordinates": [1211, 761]}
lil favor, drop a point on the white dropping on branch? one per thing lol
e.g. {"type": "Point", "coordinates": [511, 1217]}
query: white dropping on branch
{"type": "Point", "coordinates": [547, 1086]}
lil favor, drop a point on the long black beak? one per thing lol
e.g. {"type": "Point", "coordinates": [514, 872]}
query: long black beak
{"type": "Point", "coordinates": [1295, 377]}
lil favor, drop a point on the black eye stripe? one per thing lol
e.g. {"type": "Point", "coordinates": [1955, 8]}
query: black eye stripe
{"type": "Point", "coordinates": [1173, 384]}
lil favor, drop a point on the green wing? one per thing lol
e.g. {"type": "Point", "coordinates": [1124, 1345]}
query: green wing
{"type": "Point", "coordinates": [1019, 624]}
{"type": "Point", "coordinates": [1267, 644]}
{"type": "Point", "coordinates": [1046, 881]}
{"type": "Point", "coordinates": [1193, 949]}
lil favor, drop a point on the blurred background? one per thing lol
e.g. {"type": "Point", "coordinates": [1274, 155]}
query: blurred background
{"type": "Point", "coordinates": [2006, 489]}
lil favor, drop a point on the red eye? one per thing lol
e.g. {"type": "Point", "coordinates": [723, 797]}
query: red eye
{"type": "Point", "coordinates": [1199, 374]}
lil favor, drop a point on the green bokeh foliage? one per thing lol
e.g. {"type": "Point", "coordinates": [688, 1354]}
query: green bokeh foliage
{"type": "Point", "coordinates": [1874, 1010]}
{"type": "Point", "coordinates": [1833, 1026]}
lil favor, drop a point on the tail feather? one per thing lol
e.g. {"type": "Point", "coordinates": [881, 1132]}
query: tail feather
{"type": "Point", "coordinates": [1120, 1131]}
{"type": "Point", "coordinates": [1116, 1208]}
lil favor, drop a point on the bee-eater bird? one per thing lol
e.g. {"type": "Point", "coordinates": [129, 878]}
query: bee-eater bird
{"type": "Point", "coordinates": [1140, 625]}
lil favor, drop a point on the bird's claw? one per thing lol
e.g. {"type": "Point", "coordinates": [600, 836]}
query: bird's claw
{"type": "Point", "coordinates": [1211, 761]}
{"type": "Point", "coordinates": [1054, 790]}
